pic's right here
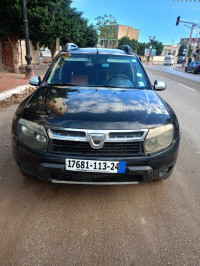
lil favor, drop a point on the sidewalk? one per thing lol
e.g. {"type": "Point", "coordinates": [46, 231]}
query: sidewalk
{"type": "Point", "coordinates": [16, 84]}
{"type": "Point", "coordinates": [178, 67]}
{"type": "Point", "coordinates": [11, 80]}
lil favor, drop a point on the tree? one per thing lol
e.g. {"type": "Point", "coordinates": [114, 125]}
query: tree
{"type": "Point", "coordinates": [107, 27]}
{"type": "Point", "coordinates": [190, 51]}
{"type": "Point", "coordinates": [45, 22]}
{"type": "Point", "coordinates": [91, 36]}
{"type": "Point", "coordinates": [158, 46]}
{"type": "Point", "coordinates": [11, 26]}
{"type": "Point", "coordinates": [181, 48]}
{"type": "Point", "coordinates": [141, 48]}
{"type": "Point", "coordinates": [48, 20]}
{"type": "Point", "coordinates": [126, 41]}
{"type": "Point", "coordinates": [184, 46]}
{"type": "Point", "coordinates": [79, 32]}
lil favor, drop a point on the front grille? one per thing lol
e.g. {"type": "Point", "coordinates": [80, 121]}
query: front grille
{"type": "Point", "coordinates": [84, 148]}
{"type": "Point", "coordinates": [68, 133]}
{"type": "Point", "coordinates": [126, 135]}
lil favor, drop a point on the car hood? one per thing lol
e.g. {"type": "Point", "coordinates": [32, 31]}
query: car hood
{"type": "Point", "coordinates": [92, 108]}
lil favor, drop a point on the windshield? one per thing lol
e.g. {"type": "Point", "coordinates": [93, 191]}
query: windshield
{"type": "Point", "coordinates": [98, 70]}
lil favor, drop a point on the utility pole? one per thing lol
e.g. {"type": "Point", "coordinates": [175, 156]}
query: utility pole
{"type": "Point", "coordinates": [28, 57]}
{"type": "Point", "coordinates": [193, 26]}
{"type": "Point", "coordinates": [188, 44]}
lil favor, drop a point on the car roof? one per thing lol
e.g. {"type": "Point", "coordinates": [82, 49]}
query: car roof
{"type": "Point", "coordinates": [103, 51]}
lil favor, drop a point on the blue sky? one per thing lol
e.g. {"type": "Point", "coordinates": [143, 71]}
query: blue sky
{"type": "Point", "coordinates": [151, 17]}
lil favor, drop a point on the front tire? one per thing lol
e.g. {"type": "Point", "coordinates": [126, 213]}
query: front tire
{"type": "Point", "coordinates": [193, 71]}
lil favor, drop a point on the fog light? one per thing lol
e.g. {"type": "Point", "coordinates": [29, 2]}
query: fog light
{"type": "Point", "coordinates": [164, 171]}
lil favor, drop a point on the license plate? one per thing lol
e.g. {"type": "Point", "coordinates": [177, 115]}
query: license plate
{"type": "Point", "coordinates": [95, 166]}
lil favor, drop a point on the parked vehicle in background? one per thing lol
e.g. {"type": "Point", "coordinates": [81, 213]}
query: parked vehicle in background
{"type": "Point", "coordinates": [180, 59]}
{"type": "Point", "coordinates": [169, 60]}
{"type": "Point", "coordinates": [193, 67]}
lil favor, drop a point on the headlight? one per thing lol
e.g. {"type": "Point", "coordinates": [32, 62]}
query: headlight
{"type": "Point", "coordinates": [158, 139]}
{"type": "Point", "coordinates": [32, 134]}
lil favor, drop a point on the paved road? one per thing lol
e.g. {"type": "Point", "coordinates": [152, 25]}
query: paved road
{"type": "Point", "coordinates": [155, 223]}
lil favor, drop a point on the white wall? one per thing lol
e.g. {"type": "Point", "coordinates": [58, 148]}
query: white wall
{"type": "Point", "coordinates": [34, 53]}
{"type": "Point", "coordinates": [158, 58]}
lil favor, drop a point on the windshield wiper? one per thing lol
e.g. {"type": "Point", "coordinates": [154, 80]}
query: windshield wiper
{"type": "Point", "coordinates": [109, 86]}
{"type": "Point", "coordinates": [61, 84]}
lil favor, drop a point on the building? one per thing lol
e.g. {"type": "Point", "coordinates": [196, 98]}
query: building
{"type": "Point", "coordinates": [195, 42]}
{"type": "Point", "coordinates": [6, 55]}
{"type": "Point", "coordinates": [170, 50]}
{"type": "Point", "coordinates": [127, 31]}
{"type": "Point", "coordinates": [121, 31]}
{"type": "Point", "coordinates": [198, 54]}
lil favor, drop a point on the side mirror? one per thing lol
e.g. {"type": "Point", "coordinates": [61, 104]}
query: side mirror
{"type": "Point", "coordinates": [159, 85]}
{"type": "Point", "coordinates": [35, 81]}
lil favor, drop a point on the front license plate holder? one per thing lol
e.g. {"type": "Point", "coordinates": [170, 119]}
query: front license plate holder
{"type": "Point", "coordinates": [117, 167]}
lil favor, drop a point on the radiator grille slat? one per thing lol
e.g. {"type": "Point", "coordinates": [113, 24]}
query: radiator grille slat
{"type": "Point", "coordinates": [108, 149]}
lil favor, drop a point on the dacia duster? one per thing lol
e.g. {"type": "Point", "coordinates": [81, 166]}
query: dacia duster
{"type": "Point", "coordinates": [95, 118]}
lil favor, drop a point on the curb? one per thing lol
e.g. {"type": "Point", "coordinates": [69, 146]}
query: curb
{"type": "Point", "coordinates": [151, 63]}
{"type": "Point", "coordinates": [17, 90]}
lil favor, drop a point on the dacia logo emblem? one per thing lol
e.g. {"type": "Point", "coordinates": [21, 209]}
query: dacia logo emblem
{"type": "Point", "coordinates": [96, 140]}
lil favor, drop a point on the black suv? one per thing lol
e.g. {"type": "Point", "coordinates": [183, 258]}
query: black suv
{"type": "Point", "coordinates": [95, 119]}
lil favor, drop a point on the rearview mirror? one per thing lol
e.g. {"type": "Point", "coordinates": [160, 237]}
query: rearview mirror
{"type": "Point", "coordinates": [35, 81]}
{"type": "Point", "coordinates": [159, 85]}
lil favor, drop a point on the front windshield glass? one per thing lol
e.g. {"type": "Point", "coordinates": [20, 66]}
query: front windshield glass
{"type": "Point", "coordinates": [98, 70]}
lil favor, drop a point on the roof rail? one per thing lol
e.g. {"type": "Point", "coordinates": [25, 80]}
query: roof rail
{"type": "Point", "coordinates": [69, 46]}
{"type": "Point", "coordinates": [126, 48]}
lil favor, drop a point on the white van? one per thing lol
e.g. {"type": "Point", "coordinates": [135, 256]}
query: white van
{"type": "Point", "coordinates": [169, 60]}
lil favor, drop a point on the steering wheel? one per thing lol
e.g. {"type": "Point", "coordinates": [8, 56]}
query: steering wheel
{"type": "Point", "coordinates": [117, 78]}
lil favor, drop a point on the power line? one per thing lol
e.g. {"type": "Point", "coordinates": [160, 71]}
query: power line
{"type": "Point", "coordinates": [188, 0]}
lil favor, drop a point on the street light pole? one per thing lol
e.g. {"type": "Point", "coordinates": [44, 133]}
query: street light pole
{"type": "Point", "coordinates": [150, 47]}
{"type": "Point", "coordinates": [28, 57]}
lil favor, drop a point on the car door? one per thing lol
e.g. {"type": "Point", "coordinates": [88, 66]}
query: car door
{"type": "Point", "coordinates": [194, 65]}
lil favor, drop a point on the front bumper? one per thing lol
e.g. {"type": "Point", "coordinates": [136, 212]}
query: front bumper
{"type": "Point", "coordinates": [51, 167]}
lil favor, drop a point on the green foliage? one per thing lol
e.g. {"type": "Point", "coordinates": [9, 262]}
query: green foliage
{"type": "Point", "coordinates": [61, 21]}
{"type": "Point", "coordinates": [91, 37]}
{"type": "Point", "coordinates": [11, 22]}
{"type": "Point", "coordinates": [156, 45]}
{"type": "Point", "coordinates": [141, 48]}
{"type": "Point", "coordinates": [184, 46]}
{"type": "Point", "coordinates": [79, 32]}
{"type": "Point", "coordinates": [190, 51]}
{"type": "Point", "coordinates": [126, 41]}
{"type": "Point", "coordinates": [181, 48]}
{"type": "Point", "coordinates": [47, 20]}
{"type": "Point", "coordinates": [107, 27]}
